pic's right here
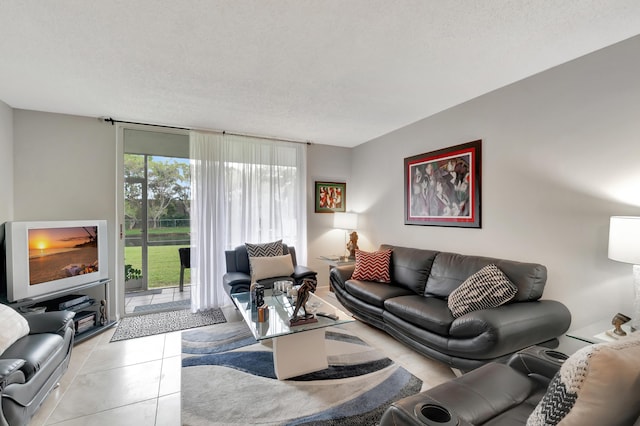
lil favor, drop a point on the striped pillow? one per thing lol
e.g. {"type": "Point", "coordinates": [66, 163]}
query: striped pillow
{"type": "Point", "coordinates": [487, 288]}
{"type": "Point", "coordinates": [267, 249]}
{"type": "Point", "coordinates": [372, 266]}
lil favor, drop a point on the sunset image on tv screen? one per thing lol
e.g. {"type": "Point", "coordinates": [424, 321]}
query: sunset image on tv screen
{"type": "Point", "coordinates": [56, 253]}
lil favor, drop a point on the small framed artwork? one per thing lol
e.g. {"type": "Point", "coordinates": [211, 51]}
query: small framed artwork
{"type": "Point", "coordinates": [442, 188]}
{"type": "Point", "coordinates": [331, 197]}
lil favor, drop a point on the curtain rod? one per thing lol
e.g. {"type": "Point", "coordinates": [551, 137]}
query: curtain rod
{"type": "Point", "coordinates": [224, 132]}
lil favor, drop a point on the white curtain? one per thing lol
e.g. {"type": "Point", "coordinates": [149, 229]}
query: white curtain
{"type": "Point", "coordinates": [244, 189]}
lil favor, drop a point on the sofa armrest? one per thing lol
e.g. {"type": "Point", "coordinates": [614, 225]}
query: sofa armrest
{"type": "Point", "coordinates": [10, 372]}
{"type": "Point", "coordinates": [300, 272]}
{"type": "Point", "coordinates": [537, 361]}
{"type": "Point", "coordinates": [515, 325]}
{"type": "Point", "coordinates": [50, 322]}
{"type": "Point", "coordinates": [340, 274]}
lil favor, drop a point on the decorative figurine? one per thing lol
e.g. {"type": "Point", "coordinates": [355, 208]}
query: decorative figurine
{"type": "Point", "coordinates": [259, 289]}
{"type": "Point", "coordinates": [617, 322]}
{"type": "Point", "coordinates": [103, 312]}
{"type": "Point", "coordinates": [352, 245]}
{"type": "Point", "coordinates": [308, 285]}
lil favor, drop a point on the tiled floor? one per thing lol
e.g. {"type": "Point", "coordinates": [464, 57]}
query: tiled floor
{"type": "Point", "coordinates": [137, 381]}
{"type": "Point", "coordinates": [154, 297]}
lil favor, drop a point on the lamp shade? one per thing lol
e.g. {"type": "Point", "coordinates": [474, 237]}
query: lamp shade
{"type": "Point", "coordinates": [348, 221]}
{"type": "Point", "coordinates": [624, 239]}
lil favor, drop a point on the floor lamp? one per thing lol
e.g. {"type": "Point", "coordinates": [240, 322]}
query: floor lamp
{"type": "Point", "coordinates": [348, 222]}
{"type": "Point", "coordinates": [624, 246]}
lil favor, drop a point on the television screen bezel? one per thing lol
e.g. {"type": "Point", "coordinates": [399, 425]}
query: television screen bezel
{"type": "Point", "coordinates": [17, 258]}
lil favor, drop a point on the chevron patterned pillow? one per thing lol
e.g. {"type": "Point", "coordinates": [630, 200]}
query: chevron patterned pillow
{"type": "Point", "coordinates": [597, 385]}
{"type": "Point", "coordinates": [372, 266]}
{"type": "Point", "coordinates": [487, 288]}
{"type": "Point", "coordinates": [263, 250]}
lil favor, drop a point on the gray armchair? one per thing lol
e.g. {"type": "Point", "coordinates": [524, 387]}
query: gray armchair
{"type": "Point", "coordinates": [238, 276]}
{"type": "Point", "coordinates": [34, 364]}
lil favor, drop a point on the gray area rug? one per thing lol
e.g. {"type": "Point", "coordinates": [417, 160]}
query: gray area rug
{"type": "Point", "coordinates": [175, 305]}
{"type": "Point", "coordinates": [228, 378]}
{"type": "Point", "coordinates": [164, 322]}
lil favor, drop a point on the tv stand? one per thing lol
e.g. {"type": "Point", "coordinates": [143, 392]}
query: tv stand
{"type": "Point", "coordinates": [92, 301]}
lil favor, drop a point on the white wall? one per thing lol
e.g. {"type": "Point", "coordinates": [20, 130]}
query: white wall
{"type": "Point", "coordinates": [64, 169]}
{"type": "Point", "coordinates": [560, 155]}
{"type": "Point", "coordinates": [326, 164]}
{"type": "Point", "coordinates": [6, 163]}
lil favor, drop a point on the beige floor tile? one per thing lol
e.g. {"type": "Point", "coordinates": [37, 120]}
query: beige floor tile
{"type": "Point", "coordinates": [168, 413]}
{"type": "Point", "coordinates": [172, 344]}
{"type": "Point", "coordinates": [103, 390]}
{"type": "Point", "coordinates": [170, 376]}
{"type": "Point", "coordinates": [139, 414]}
{"type": "Point", "coordinates": [162, 298]}
{"type": "Point", "coordinates": [124, 352]}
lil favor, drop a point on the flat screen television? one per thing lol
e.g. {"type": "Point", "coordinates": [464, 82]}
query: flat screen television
{"type": "Point", "coordinates": [47, 257]}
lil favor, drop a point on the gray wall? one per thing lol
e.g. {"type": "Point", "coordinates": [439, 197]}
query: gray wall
{"type": "Point", "coordinates": [64, 169]}
{"type": "Point", "coordinates": [560, 156]}
{"type": "Point", "coordinates": [325, 164]}
{"type": "Point", "coordinates": [6, 163]}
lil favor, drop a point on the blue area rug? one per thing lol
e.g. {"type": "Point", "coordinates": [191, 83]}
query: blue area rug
{"type": "Point", "coordinates": [228, 378]}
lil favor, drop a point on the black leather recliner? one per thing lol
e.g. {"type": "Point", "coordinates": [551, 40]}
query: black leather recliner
{"type": "Point", "coordinates": [238, 276]}
{"type": "Point", "coordinates": [597, 385]}
{"type": "Point", "coordinates": [34, 364]}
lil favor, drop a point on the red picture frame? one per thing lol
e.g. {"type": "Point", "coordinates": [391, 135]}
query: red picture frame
{"type": "Point", "coordinates": [442, 188]}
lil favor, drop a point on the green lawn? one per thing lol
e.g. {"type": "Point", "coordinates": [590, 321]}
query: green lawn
{"type": "Point", "coordinates": [164, 265]}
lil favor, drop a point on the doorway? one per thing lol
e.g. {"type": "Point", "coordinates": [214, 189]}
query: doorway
{"type": "Point", "coordinates": [156, 221]}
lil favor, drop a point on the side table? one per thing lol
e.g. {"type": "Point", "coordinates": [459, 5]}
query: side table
{"type": "Point", "coordinates": [334, 262]}
{"type": "Point", "coordinates": [597, 332]}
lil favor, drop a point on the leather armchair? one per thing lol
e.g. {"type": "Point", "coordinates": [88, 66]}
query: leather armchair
{"type": "Point", "coordinates": [507, 394]}
{"type": "Point", "coordinates": [238, 276]}
{"type": "Point", "coordinates": [34, 364]}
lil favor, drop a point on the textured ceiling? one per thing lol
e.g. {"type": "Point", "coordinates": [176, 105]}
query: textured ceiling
{"type": "Point", "coordinates": [338, 72]}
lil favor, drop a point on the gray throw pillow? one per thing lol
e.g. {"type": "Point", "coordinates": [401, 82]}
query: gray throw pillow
{"type": "Point", "coordinates": [487, 288]}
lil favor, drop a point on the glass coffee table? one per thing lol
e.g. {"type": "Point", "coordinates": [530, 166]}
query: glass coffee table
{"type": "Point", "coordinates": [297, 349]}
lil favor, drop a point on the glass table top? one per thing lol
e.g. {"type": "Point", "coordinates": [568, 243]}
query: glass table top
{"type": "Point", "coordinates": [280, 311]}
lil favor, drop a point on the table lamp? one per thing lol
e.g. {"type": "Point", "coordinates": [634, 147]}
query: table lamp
{"type": "Point", "coordinates": [624, 246]}
{"type": "Point", "coordinates": [348, 222]}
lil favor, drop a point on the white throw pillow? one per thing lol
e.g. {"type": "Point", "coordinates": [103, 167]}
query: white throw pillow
{"type": "Point", "coordinates": [270, 267]}
{"type": "Point", "coordinates": [13, 326]}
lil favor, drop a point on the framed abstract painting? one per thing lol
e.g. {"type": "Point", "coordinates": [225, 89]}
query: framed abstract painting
{"type": "Point", "coordinates": [442, 188]}
{"type": "Point", "coordinates": [331, 197]}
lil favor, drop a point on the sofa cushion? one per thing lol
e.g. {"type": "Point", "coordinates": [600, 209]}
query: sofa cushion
{"type": "Point", "coordinates": [487, 288]}
{"type": "Point", "coordinates": [410, 267]}
{"type": "Point", "coordinates": [372, 266]}
{"type": "Point", "coordinates": [429, 313]}
{"type": "Point", "coordinates": [374, 293]}
{"type": "Point", "coordinates": [271, 266]}
{"type": "Point", "coordinates": [451, 269]}
{"type": "Point", "coordinates": [14, 326]}
{"type": "Point", "coordinates": [597, 385]}
{"type": "Point", "coordinates": [266, 249]}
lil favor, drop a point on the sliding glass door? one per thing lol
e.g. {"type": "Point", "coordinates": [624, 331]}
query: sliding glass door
{"type": "Point", "coordinates": [156, 218]}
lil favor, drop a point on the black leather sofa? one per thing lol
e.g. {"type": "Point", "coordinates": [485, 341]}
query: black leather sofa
{"type": "Point", "coordinates": [34, 364]}
{"type": "Point", "coordinates": [238, 276]}
{"type": "Point", "coordinates": [413, 307]}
